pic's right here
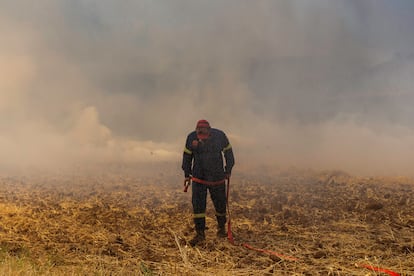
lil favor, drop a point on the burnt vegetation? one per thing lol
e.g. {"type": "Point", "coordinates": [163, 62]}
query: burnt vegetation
{"type": "Point", "coordinates": [116, 224]}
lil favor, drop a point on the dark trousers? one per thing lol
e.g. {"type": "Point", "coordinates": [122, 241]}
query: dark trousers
{"type": "Point", "coordinates": [199, 200]}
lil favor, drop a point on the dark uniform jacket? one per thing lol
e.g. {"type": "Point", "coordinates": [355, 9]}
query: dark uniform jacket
{"type": "Point", "coordinates": [203, 159]}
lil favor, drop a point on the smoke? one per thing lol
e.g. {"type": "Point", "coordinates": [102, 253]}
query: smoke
{"type": "Point", "coordinates": [316, 84]}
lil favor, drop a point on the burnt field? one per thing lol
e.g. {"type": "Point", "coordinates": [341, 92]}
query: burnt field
{"type": "Point", "coordinates": [318, 223]}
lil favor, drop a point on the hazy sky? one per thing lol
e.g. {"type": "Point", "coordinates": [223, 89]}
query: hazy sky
{"type": "Point", "coordinates": [322, 84]}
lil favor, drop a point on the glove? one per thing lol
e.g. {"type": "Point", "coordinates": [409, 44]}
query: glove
{"type": "Point", "coordinates": [187, 182]}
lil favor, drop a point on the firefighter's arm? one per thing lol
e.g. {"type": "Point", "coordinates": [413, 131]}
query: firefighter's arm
{"type": "Point", "coordinates": [187, 159]}
{"type": "Point", "coordinates": [229, 157]}
{"type": "Point", "coordinates": [186, 166]}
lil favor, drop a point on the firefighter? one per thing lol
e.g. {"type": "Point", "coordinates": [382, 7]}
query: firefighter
{"type": "Point", "coordinates": [203, 164]}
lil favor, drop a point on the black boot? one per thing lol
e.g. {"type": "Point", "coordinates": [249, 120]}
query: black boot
{"type": "Point", "coordinates": [221, 229]}
{"type": "Point", "coordinates": [221, 232]}
{"type": "Point", "coordinates": [199, 237]}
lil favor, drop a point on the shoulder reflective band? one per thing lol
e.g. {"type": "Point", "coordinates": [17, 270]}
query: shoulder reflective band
{"type": "Point", "coordinates": [227, 148]}
{"type": "Point", "coordinates": [187, 151]}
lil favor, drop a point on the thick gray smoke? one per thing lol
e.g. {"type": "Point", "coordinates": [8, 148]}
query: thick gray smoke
{"type": "Point", "coordinates": [320, 84]}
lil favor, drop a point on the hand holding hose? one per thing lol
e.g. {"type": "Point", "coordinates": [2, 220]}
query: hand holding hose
{"type": "Point", "coordinates": [187, 182]}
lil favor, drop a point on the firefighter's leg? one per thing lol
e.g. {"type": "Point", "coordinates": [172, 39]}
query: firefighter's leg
{"type": "Point", "coordinates": [218, 196]}
{"type": "Point", "coordinates": [199, 195]}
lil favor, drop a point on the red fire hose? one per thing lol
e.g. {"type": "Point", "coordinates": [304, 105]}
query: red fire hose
{"type": "Point", "coordinates": [379, 269]}
{"type": "Point", "coordinates": [229, 232]}
{"type": "Point", "coordinates": [230, 237]}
